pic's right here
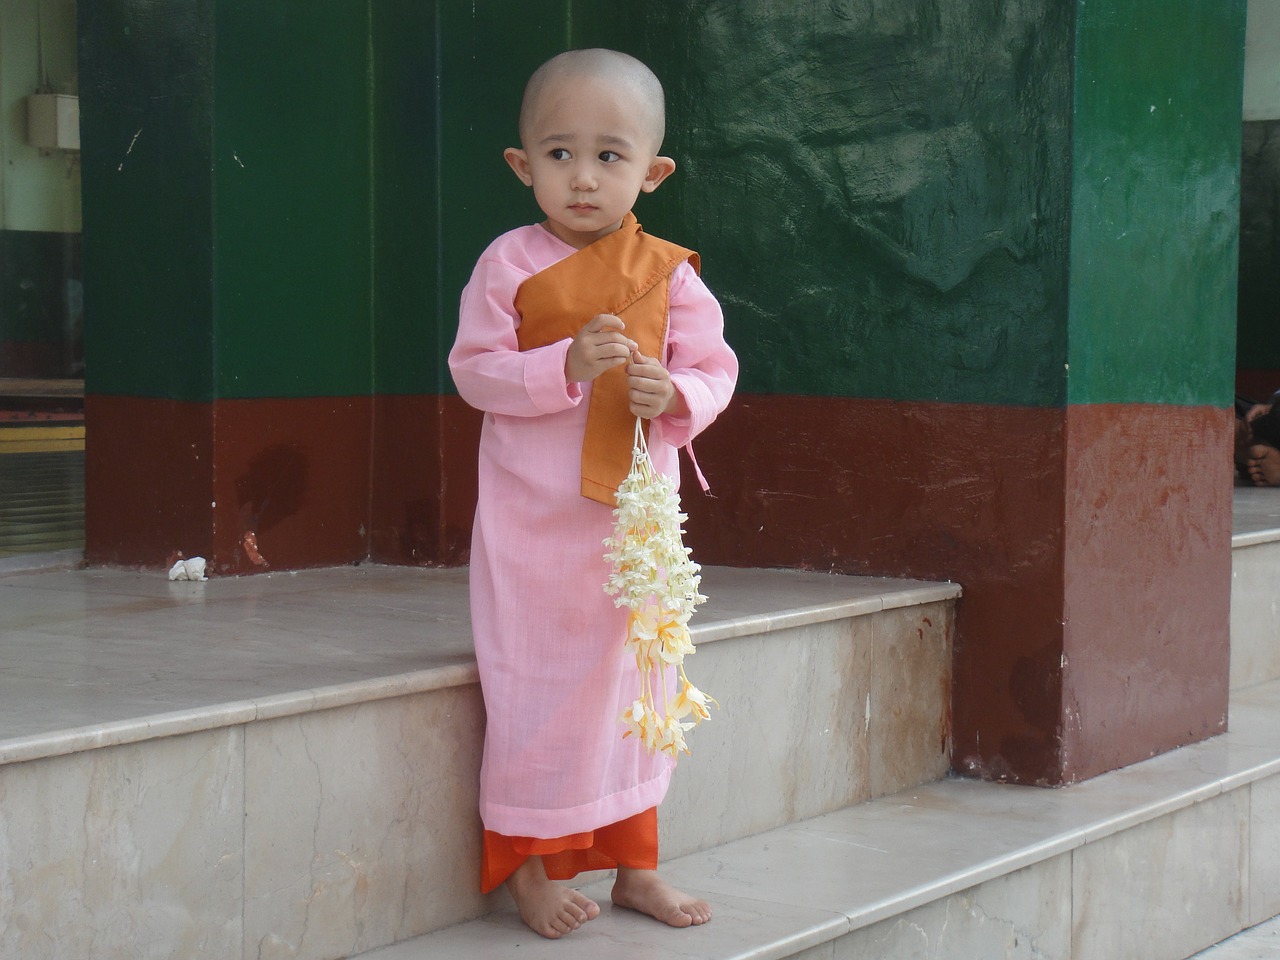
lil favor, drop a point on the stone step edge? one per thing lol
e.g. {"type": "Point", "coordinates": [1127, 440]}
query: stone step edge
{"type": "Point", "coordinates": [1254, 537]}
{"type": "Point", "coordinates": [920, 824]}
{"type": "Point", "coordinates": [868, 596]}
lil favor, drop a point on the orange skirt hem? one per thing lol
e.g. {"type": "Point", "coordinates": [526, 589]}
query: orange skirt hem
{"type": "Point", "coordinates": [632, 842]}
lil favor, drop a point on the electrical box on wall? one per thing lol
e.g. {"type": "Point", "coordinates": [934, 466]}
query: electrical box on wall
{"type": "Point", "coordinates": [53, 121]}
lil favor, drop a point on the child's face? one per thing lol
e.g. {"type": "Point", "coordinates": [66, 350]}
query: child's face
{"type": "Point", "coordinates": [588, 154]}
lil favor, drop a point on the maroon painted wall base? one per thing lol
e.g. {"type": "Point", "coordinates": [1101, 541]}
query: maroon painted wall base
{"type": "Point", "coordinates": [316, 481]}
{"type": "Point", "coordinates": [1003, 501]}
{"type": "Point", "coordinates": [1093, 544]}
{"type": "Point", "coordinates": [424, 480]}
{"type": "Point", "coordinates": [247, 484]}
{"type": "Point", "coordinates": [1147, 582]}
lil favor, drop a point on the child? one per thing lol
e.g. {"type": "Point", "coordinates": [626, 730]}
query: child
{"type": "Point", "coordinates": [570, 329]}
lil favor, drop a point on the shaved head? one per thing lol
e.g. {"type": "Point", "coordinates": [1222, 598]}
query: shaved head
{"type": "Point", "coordinates": [598, 66]}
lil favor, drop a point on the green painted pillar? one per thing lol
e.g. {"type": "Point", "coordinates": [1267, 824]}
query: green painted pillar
{"type": "Point", "coordinates": [1151, 356]}
{"type": "Point", "coordinates": [979, 263]}
{"type": "Point", "coordinates": [282, 202]}
{"type": "Point", "coordinates": [245, 167]}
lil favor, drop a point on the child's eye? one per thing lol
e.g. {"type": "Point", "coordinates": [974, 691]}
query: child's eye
{"type": "Point", "coordinates": [559, 153]}
{"type": "Point", "coordinates": [608, 156]}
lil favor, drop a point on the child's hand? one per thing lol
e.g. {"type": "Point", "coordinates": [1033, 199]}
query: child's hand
{"type": "Point", "coordinates": [599, 346]}
{"type": "Point", "coordinates": [650, 389]}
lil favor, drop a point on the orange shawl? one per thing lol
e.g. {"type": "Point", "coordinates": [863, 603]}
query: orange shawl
{"type": "Point", "coordinates": [626, 273]}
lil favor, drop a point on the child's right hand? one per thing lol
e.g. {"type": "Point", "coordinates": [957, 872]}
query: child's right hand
{"type": "Point", "coordinates": [599, 345]}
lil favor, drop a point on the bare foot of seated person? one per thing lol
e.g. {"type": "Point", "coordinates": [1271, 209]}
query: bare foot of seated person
{"type": "Point", "coordinates": [548, 908]}
{"type": "Point", "coordinates": [644, 891]}
{"type": "Point", "coordinates": [1264, 466]}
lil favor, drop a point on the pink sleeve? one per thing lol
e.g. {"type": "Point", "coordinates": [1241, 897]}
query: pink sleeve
{"type": "Point", "coordinates": [489, 370]}
{"type": "Point", "coordinates": [702, 365]}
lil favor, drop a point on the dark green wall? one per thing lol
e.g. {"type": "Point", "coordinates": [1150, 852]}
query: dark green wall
{"type": "Point", "coordinates": [291, 191]}
{"type": "Point", "coordinates": [280, 149]}
{"type": "Point", "coordinates": [874, 227]}
{"type": "Point", "coordinates": [882, 193]}
{"type": "Point", "coordinates": [1155, 202]}
{"type": "Point", "coordinates": [277, 227]}
{"type": "Point", "coordinates": [406, 242]}
{"type": "Point", "coordinates": [879, 191]}
{"type": "Point", "coordinates": [41, 316]}
{"type": "Point", "coordinates": [1258, 347]}
{"type": "Point", "coordinates": [146, 75]}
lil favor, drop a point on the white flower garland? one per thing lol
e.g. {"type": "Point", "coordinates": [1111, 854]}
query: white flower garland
{"type": "Point", "coordinates": [653, 576]}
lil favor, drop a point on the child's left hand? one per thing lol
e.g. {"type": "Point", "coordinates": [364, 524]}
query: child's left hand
{"type": "Point", "coordinates": [650, 389]}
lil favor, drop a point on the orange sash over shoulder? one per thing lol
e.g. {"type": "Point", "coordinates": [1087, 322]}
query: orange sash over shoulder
{"type": "Point", "coordinates": [626, 273]}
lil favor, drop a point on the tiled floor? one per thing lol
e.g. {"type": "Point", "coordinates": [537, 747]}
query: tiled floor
{"type": "Point", "coordinates": [1259, 943]}
{"type": "Point", "coordinates": [88, 649]}
{"type": "Point", "coordinates": [1255, 513]}
{"type": "Point", "coordinates": [41, 502]}
{"type": "Point", "coordinates": [125, 655]}
{"type": "Point", "coordinates": [41, 467]}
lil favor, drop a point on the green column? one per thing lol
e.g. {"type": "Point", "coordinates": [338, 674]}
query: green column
{"type": "Point", "coordinates": [244, 164]}
{"type": "Point", "coordinates": [979, 263]}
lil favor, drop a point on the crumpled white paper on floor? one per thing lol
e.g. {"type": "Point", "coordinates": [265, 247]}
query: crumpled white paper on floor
{"type": "Point", "coordinates": [192, 569]}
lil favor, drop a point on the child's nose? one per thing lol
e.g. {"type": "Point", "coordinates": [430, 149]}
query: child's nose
{"type": "Point", "coordinates": [583, 178]}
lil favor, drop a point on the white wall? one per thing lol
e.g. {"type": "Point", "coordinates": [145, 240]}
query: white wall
{"type": "Point", "coordinates": [1262, 61]}
{"type": "Point", "coordinates": [36, 192]}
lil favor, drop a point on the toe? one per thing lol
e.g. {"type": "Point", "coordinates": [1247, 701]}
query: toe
{"type": "Point", "coordinates": [678, 917]}
{"type": "Point", "coordinates": [590, 909]}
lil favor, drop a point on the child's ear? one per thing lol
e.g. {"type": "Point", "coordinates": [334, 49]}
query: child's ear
{"type": "Point", "coordinates": [518, 161]}
{"type": "Point", "coordinates": [659, 170]}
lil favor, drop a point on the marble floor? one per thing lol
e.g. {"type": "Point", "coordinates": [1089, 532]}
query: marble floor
{"type": "Point", "coordinates": [91, 653]}
{"type": "Point", "coordinates": [92, 657]}
{"type": "Point", "coordinates": [1257, 943]}
{"type": "Point", "coordinates": [1255, 515]}
{"type": "Point", "coordinates": [95, 657]}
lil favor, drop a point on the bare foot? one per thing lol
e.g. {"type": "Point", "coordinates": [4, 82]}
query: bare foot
{"type": "Point", "coordinates": [646, 892]}
{"type": "Point", "coordinates": [548, 908]}
{"type": "Point", "coordinates": [1264, 465]}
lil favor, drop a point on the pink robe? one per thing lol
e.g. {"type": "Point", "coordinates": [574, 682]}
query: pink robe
{"type": "Point", "coordinates": [548, 639]}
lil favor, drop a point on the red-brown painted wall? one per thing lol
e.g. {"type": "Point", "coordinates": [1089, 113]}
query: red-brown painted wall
{"type": "Point", "coordinates": [157, 500]}
{"type": "Point", "coordinates": [1058, 550]}
{"type": "Point", "coordinates": [424, 489]}
{"type": "Point", "coordinates": [200, 476]}
{"type": "Point", "coordinates": [1147, 581]}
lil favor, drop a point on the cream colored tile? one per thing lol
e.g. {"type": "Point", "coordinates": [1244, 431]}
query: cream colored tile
{"type": "Point", "coordinates": [361, 825]}
{"type": "Point", "coordinates": [788, 741]}
{"type": "Point", "coordinates": [909, 711]}
{"type": "Point", "coordinates": [1025, 915]}
{"type": "Point", "coordinates": [1255, 614]}
{"type": "Point", "coordinates": [744, 601]}
{"type": "Point", "coordinates": [830, 870]}
{"type": "Point", "coordinates": [1166, 888]}
{"type": "Point", "coordinates": [99, 647]}
{"type": "Point", "coordinates": [825, 951]}
{"type": "Point", "coordinates": [127, 852]}
{"type": "Point", "coordinates": [1255, 515]}
{"type": "Point", "coordinates": [740, 928]}
{"type": "Point", "coordinates": [1264, 850]}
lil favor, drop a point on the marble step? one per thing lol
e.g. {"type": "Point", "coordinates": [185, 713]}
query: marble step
{"type": "Point", "coordinates": [1255, 587]}
{"type": "Point", "coordinates": [1155, 861]}
{"type": "Point", "coordinates": [286, 765]}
